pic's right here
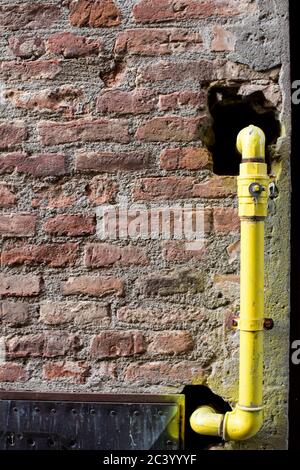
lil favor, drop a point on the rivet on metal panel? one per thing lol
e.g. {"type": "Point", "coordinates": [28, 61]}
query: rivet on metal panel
{"type": "Point", "coordinates": [113, 413]}
{"type": "Point", "coordinates": [74, 411]}
{"type": "Point", "coordinates": [92, 412]}
{"type": "Point", "coordinates": [31, 442]}
{"type": "Point", "coordinates": [36, 409]}
{"type": "Point", "coordinates": [160, 413]}
{"type": "Point", "coordinates": [53, 410]}
{"type": "Point", "coordinates": [136, 413]}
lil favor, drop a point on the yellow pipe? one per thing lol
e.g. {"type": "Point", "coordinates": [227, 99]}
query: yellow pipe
{"type": "Point", "coordinates": [247, 417]}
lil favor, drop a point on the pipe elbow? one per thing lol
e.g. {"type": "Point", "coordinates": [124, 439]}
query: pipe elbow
{"type": "Point", "coordinates": [205, 420]}
{"type": "Point", "coordinates": [251, 142]}
{"type": "Point", "coordinates": [240, 425]}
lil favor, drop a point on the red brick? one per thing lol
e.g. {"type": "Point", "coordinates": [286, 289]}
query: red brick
{"type": "Point", "coordinates": [7, 196]}
{"type": "Point", "coordinates": [29, 15]}
{"type": "Point", "coordinates": [170, 342]}
{"type": "Point", "coordinates": [226, 220]}
{"type": "Point", "coordinates": [64, 98]}
{"type": "Point", "coordinates": [73, 372]}
{"type": "Point", "coordinates": [216, 187]}
{"type": "Point", "coordinates": [152, 11]}
{"type": "Point", "coordinates": [12, 133]}
{"type": "Point", "coordinates": [110, 162]}
{"type": "Point", "coordinates": [54, 196]}
{"type": "Point", "coordinates": [50, 344]}
{"type": "Point", "coordinates": [160, 315]}
{"type": "Point", "coordinates": [94, 13]}
{"type": "Point", "coordinates": [70, 225]}
{"type": "Point", "coordinates": [223, 40]}
{"type": "Point", "coordinates": [20, 285]}
{"type": "Point", "coordinates": [99, 255]}
{"type": "Point", "coordinates": [17, 225]}
{"type": "Point", "coordinates": [151, 42]}
{"type": "Point", "coordinates": [72, 45]}
{"type": "Point", "coordinates": [181, 99]}
{"type": "Point", "coordinates": [117, 344]}
{"type": "Point", "coordinates": [92, 285]}
{"type": "Point", "coordinates": [186, 158]}
{"type": "Point", "coordinates": [169, 187]}
{"type": "Point", "coordinates": [53, 255]}
{"type": "Point", "coordinates": [172, 72]}
{"type": "Point", "coordinates": [12, 372]}
{"type": "Point", "coordinates": [127, 102]}
{"type": "Point", "coordinates": [79, 313]}
{"type": "Point", "coordinates": [178, 250]}
{"type": "Point", "coordinates": [169, 282]}
{"type": "Point", "coordinates": [165, 372]}
{"type": "Point", "coordinates": [85, 130]}
{"type": "Point", "coordinates": [30, 70]}
{"type": "Point", "coordinates": [101, 190]}
{"type": "Point", "coordinates": [47, 164]}
{"type": "Point", "coordinates": [14, 313]}
{"type": "Point", "coordinates": [27, 47]}
{"type": "Point", "coordinates": [169, 128]}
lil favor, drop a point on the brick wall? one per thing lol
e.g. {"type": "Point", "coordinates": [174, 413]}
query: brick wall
{"type": "Point", "coordinates": [106, 100]}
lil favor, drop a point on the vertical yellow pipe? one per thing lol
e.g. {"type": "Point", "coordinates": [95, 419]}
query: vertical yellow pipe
{"type": "Point", "coordinates": [247, 417]}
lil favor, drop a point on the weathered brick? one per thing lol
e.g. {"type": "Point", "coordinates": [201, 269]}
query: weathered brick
{"type": "Point", "coordinates": [175, 187]}
{"type": "Point", "coordinates": [27, 47]}
{"type": "Point", "coordinates": [182, 99]}
{"type": "Point", "coordinates": [170, 342]}
{"type": "Point", "coordinates": [151, 42]}
{"type": "Point", "coordinates": [85, 130]}
{"type": "Point", "coordinates": [177, 72]}
{"type": "Point", "coordinates": [29, 15]}
{"type": "Point", "coordinates": [226, 220]}
{"type": "Point", "coordinates": [104, 254]}
{"type": "Point", "coordinates": [228, 285]}
{"type": "Point", "coordinates": [92, 285]}
{"type": "Point", "coordinates": [53, 255]}
{"type": "Point", "coordinates": [54, 196]}
{"type": "Point", "coordinates": [110, 162]}
{"type": "Point", "coordinates": [223, 40]}
{"type": "Point", "coordinates": [127, 102]}
{"type": "Point", "coordinates": [30, 70]}
{"type": "Point", "coordinates": [117, 344]}
{"type": "Point", "coordinates": [79, 313]}
{"type": "Point", "coordinates": [7, 196]}
{"type": "Point", "coordinates": [152, 11]}
{"type": "Point", "coordinates": [233, 251]}
{"type": "Point", "coordinates": [71, 45]}
{"type": "Point", "coordinates": [101, 190]}
{"type": "Point", "coordinates": [50, 344]}
{"type": "Point", "coordinates": [63, 98]}
{"type": "Point", "coordinates": [46, 164]}
{"type": "Point", "coordinates": [12, 372]}
{"type": "Point", "coordinates": [170, 187]}
{"type": "Point", "coordinates": [20, 285]}
{"type": "Point", "coordinates": [17, 225]}
{"type": "Point", "coordinates": [186, 158]}
{"type": "Point", "coordinates": [165, 372]}
{"type": "Point", "coordinates": [179, 250]}
{"type": "Point", "coordinates": [73, 372]}
{"type": "Point", "coordinates": [14, 313]}
{"type": "Point", "coordinates": [176, 281]}
{"type": "Point", "coordinates": [169, 128]}
{"type": "Point", "coordinates": [94, 13]}
{"type": "Point", "coordinates": [70, 225]}
{"type": "Point", "coordinates": [12, 133]}
{"type": "Point", "coordinates": [160, 315]}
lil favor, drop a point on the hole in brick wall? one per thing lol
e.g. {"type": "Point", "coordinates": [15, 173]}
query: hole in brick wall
{"type": "Point", "coordinates": [230, 113]}
{"type": "Point", "coordinates": [195, 396]}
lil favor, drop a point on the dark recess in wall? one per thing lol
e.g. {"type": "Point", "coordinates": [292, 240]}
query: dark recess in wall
{"type": "Point", "coordinates": [230, 113]}
{"type": "Point", "coordinates": [195, 396]}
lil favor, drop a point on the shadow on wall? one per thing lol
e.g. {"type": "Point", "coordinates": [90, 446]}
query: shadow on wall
{"type": "Point", "coordinates": [230, 113]}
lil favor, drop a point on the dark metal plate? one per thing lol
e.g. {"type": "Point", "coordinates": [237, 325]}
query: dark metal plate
{"type": "Point", "coordinates": [92, 425]}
